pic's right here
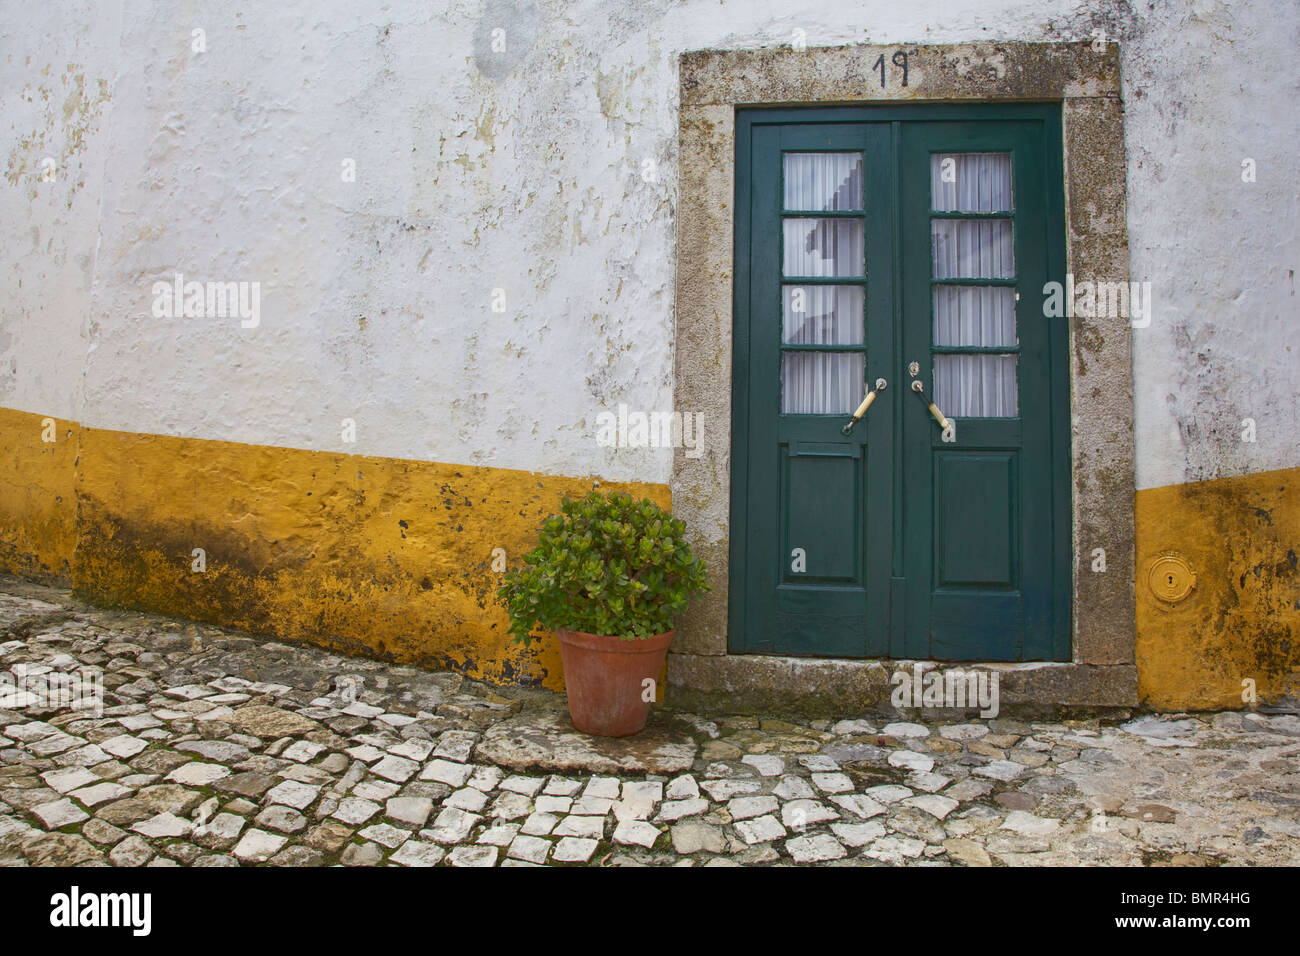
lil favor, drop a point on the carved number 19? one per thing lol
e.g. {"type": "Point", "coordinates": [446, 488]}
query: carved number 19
{"type": "Point", "coordinates": [898, 59]}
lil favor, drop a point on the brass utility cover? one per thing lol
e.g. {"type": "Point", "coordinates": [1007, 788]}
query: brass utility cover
{"type": "Point", "coordinates": [1171, 578]}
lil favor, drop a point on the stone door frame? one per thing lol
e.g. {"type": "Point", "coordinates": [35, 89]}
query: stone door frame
{"type": "Point", "coordinates": [1085, 81]}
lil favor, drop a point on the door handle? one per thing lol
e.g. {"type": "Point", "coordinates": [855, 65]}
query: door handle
{"type": "Point", "coordinates": [937, 415]}
{"type": "Point", "coordinates": [947, 424]}
{"type": "Point", "coordinates": [881, 385]}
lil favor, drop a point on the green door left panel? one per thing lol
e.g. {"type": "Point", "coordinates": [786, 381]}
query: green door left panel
{"type": "Point", "coordinates": [817, 575]}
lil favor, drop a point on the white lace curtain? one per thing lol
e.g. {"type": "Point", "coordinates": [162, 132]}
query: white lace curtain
{"type": "Point", "coordinates": [822, 383]}
{"type": "Point", "coordinates": [969, 316]}
{"type": "Point", "coordinates": [974, 316]}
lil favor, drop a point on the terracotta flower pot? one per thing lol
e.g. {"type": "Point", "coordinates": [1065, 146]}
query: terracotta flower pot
{"type": "Point", "coordinates": [604, 678]}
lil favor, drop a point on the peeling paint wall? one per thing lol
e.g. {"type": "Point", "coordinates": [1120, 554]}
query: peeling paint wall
{"type": "Point", "coordinates": [501, 268]}
{"type": "Point", "coordinates": [1207, 90]}
{"type": "Point", "coordinates": [369, 555]}
{"type": "Point", "coordinates": [38, 496]}
{"type": "Point", "coordinates": [1235, 637]}
{"type": "Point", "coordinates": [383, 557]}
{"type": "Point", "coordinates": [58, 66]}
{"type": "Point", "coordinates": [517, 161]}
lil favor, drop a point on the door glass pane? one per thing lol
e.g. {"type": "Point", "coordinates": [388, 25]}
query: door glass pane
{"type": "Point", "coordinates": [823, 247]}
{"type": "Point", "coordinates": [972, 249]}
{"type": "Point", "coordinates": [974, 315]}
{"type": "Point", "coordinates": [976, 386]}
{"type": "Point", "coordinates": [970, 182]}
{"type": "Point", "coordinates": [822, 315]}
{"type": "Point", "coordinates": [821, 383]}
{"type": "Point", "coordinates": [821, 182]}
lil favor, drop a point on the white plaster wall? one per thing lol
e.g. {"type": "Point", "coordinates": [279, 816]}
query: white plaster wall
{"type": "Point", "coordinates": [522, 171]}
{"type": "Point", "coordinates": [1208, 85]}
{"type": "Point", "coordinates": [56, 72]}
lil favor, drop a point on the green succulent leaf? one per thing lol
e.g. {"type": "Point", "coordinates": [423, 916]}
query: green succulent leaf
{"type": "Point", "coordinates": [607, 564]}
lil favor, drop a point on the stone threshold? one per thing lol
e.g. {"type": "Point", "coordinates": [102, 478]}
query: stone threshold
{"type": "Point", "coordinates": [753, 683]}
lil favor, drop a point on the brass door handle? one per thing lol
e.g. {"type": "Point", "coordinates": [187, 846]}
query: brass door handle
{"type": "Point", "coordinates": [881, 385]}
{"type": "Point", "coordinates": [937, 415]}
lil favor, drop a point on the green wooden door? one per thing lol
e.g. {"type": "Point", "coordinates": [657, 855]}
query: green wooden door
{"type": "Point", "coordinates": [904, 244]}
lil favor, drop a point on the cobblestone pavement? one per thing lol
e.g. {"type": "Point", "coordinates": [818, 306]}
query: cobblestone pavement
{"type": "Point", "coordinates": [214, 749]}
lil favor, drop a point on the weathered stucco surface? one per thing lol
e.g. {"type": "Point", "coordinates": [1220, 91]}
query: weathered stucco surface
{"type": "Point", "coordinates": [38, 496]}
{"type": "Point", "coordinates": [376, 556]}
{"type": "Point", "coordinates": [518, 161]}
{"type": "Point", "coordinates": [1235, 637]}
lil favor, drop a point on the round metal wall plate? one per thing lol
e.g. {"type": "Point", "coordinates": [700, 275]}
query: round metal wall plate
{"type": "Point", "coordinates": [1171, 578]}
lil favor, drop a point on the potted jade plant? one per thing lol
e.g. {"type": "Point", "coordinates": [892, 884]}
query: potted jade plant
{"type": "Point", "coordinates": [608, 575]}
